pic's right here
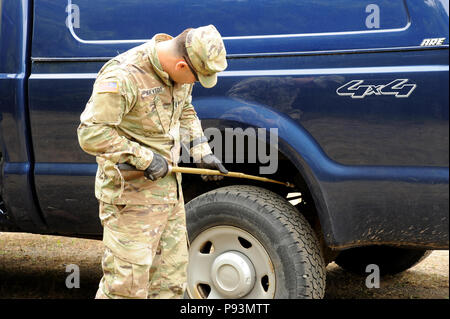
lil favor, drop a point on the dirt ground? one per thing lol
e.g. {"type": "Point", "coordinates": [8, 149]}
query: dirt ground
{"type": "Point", "coordinates": [34, 266]}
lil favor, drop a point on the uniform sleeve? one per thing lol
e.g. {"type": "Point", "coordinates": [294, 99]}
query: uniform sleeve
{"type": "Point", "coordinates": [191, 131]}
{"type": "Point", "coordinates": [113, 96]}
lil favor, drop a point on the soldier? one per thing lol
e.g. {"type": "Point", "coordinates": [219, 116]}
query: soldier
{"type": "Point", "coordinates": [139, 112]}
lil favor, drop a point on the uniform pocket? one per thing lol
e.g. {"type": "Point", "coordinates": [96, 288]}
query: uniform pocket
{"type": "Point", "coordinates": [109, 212]}
{"type": "Point", "coordinates": [124, 279]}
{"type": "Point", "coordinates": [134, 232]}
{"type": "Point", "coordinates": [144, 117]}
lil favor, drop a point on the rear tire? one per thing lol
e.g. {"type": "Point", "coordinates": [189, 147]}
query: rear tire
{"type": "Point", "coordinates": [248, 242]}
{"type": "Point", "coordinates": [390, 260]}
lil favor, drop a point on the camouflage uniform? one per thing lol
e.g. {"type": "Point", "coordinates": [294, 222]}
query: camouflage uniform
{"type": "Point", "coordinates": [134, 111]}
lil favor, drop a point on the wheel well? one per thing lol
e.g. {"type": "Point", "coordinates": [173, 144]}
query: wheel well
{"type": "Point", "coordinates": [194, 186]}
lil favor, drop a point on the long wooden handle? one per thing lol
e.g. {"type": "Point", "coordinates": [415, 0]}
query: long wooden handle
{"type": "Point", "coordinates": [204, 171]}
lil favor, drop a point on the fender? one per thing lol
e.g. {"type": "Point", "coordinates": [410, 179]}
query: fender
{"type": "Point", "coordinates": [294, 141]}
{"type": "Point", "coordinates": [325, 177]}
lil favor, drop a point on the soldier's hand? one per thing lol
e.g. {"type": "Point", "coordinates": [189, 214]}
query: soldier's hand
{"type": "Point", "coordinates": [158, 168]}
{"type": "Point", "coordinates": [211, 162]}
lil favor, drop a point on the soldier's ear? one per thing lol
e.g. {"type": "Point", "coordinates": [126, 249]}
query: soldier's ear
{"type": "Point", "coordinates": [181, 65]}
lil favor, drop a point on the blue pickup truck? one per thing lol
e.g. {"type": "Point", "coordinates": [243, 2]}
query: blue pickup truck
{"type": "Point", "coordinates": [357, 92]}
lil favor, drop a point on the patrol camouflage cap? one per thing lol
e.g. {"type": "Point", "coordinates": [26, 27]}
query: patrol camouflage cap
{"type": "Point", "coordinates": [207, 53]}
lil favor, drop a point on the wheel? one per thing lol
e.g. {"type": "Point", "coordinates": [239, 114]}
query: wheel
{"type": "Point", "coordinates": [390, 260]}
{"type": "Point", "coordinates": [248, 242]}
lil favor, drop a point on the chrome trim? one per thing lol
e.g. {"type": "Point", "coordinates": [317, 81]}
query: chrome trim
{"type": "Point", "coordinates": [322, 71]}
{"type": "Point", "coordinates": [261, 55]}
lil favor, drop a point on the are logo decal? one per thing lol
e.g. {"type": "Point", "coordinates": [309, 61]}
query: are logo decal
{"type": "Point", "coordinates": [432, 42]}
{"type": "Point", "coordinates": [400, 88]}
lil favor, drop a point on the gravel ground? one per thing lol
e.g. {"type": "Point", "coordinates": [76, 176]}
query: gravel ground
{"type": "Point", "coordinates": [34, 266]}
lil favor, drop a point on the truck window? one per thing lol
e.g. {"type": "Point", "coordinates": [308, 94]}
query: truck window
{"type": "Point", "coordinates": [106, 28]}
{"type": "Point", "coordinates": [237, 19]}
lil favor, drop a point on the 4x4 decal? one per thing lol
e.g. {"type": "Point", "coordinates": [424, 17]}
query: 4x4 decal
{"type": "Point", "coordinates": [355, 88]}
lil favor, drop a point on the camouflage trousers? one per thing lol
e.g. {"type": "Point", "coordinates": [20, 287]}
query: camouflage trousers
{"type": "Point", "coordinates": [146, 251]}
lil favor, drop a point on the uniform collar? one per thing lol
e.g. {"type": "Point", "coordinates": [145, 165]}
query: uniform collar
{"type": "Point", "coordinates": [154, 60]}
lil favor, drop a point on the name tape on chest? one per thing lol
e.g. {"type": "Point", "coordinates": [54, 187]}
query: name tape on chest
{"type": "Point", "coordinates": [152, 91]}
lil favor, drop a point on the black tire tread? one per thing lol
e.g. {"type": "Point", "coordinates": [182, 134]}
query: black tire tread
{"type": "Point", "coordinates": [299, 237]}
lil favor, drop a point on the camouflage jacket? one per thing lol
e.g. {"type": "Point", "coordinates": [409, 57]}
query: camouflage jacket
{"type": "Point", "coordinates": [134, 111]}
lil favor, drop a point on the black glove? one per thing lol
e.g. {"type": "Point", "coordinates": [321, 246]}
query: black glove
{"type": "Point", "coordinates": [211, 162]}
{"type": "Point", "coordinates": [158, 168]}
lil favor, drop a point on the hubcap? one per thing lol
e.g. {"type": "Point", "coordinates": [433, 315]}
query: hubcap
{"type": "Point", "coordinates": [233, 274]}
{"type": "Point", "coordinates": [229, 262]}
